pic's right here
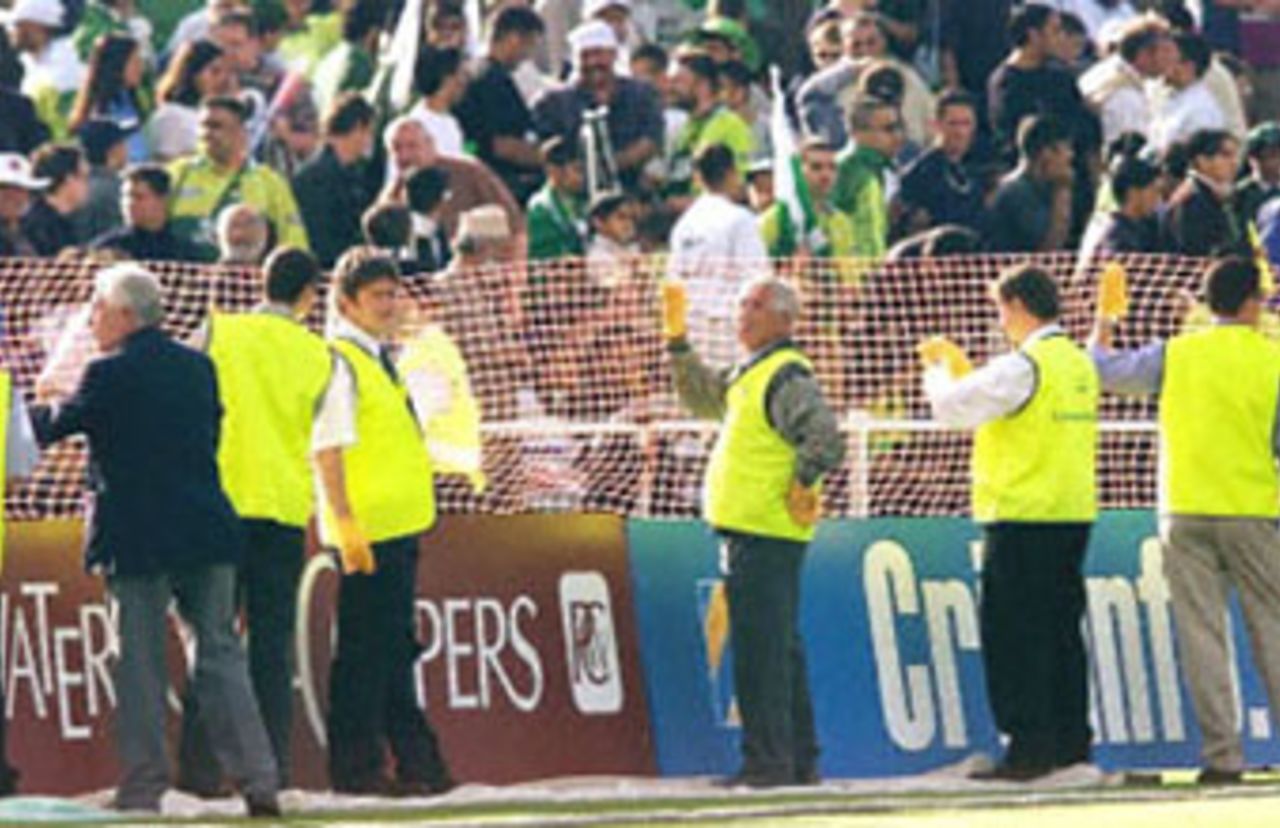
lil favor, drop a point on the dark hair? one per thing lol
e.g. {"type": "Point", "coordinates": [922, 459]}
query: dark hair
{"type": "Point", "coordinates": [714, 164]}
{"type": "Point", "coordinates": [230, 104]}
{"type": "Point", "coordinates": [1141, 35]}
{"type": "Point", "coordinates": [1126, 143]}
{"type": "Point", "coordinates": [104, 78]}
{"type": "Point", "coordinates": [387, 225]}
{"type": "Point", "coordinates": [884, 81]}
{"type": "Point", "coordinates": [1229, 283]}
{"type": "Point", "coordinates": [1194, 48]}
{"type": "Point", "coordinates": [360, 267]}
{"type": "Point", "coordinates": [653, 53]}
{"type": "Point", "coordinates": [735, 72]}
{"type": "Point", "coordinates": [57, 163]}
{"type": "Point", "coordinates": [1027, 19]}
{"type": "Point", "coordinates": [1033, 287]}
{"type": "Point", "coordinates": [1072, 24]}
{"type": "Point", "coordinates": [1205, 142]}
{"type": "Point", "coordinates": [1038, 133]}
{"type": "Point", "coordinates": [178, 85]}
{"type": "Point", "coordinates": [517, 20]}
{"type": "Point", "coordinates": [240, 17]}
{"type": "Point", "coordinates": [444, 9]}
{"type": "Point", "coordinates": [606, 205]}
{"type": "Point", "coordinates": [558, 151]}
{"type": "Point", "coordinates": [435, 66]}
{"type": "Point", "coordinates": [1176, 160]}
{"type": "Point", "coordinates": [152, 176]}
{"type": "Point", "coordinates": [425, 189]}
{"type": "Point", "coordinates": [1179, 16]}
{"type": "Point", "coordinates": [288, 272]}
{"type": "Point", "coordinates": [347, 113]}
{"type": "Point", "coordinates": [361, 17]}
{"type": "Point", "coordinates": [954, 97]}
{"type": "Point", "coordinates": [1129, 173]}
{"type": "Point", "coordinates": [701, 65]}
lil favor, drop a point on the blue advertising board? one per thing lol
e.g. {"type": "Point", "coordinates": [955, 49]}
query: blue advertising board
{"type": "Point", "coordinates": [890, 620]}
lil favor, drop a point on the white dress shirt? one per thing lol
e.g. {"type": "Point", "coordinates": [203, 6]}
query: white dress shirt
{"type": "Point", "coordinates": [1185, 112]}
{"type": "Point", "coordinates": [443, 128]}
{"type": "Point", "coordinates": [1119, 94]}
{"type": "Point", "coordinates": [997, 389]}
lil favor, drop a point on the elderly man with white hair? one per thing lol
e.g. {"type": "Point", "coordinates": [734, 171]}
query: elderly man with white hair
{"type": "Point", "coordinates": [162, 531]}
{"type": "Point", "coordinates": [634, 123]}
{"type": "Point", "coordinates": [762, 493]}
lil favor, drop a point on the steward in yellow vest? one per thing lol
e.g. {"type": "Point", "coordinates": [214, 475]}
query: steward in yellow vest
{"type": "Point", "coordinates": [273, 376]}
{"type": "Point", "coordinates": [378, 500]}
{"type": "Point", "coordinates": [1219, 389]}
{"type": "Point", "coordinates": [761, 493]}
{"type": "Point", "coordinates": [1034, 453]}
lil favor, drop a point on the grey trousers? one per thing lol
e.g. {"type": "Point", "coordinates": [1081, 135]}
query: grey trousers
{"type": "Point", "coordinates": [1203, 559]}
{"type": "Point", "coordinates": [205, 599]}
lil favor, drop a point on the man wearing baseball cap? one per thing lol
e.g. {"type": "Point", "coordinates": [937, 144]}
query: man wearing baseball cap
{"type": "Point", "coordinates": [16, 186]}
{"type": "Point", "coordinates": [53, 69]}
{"type": "Point", "coordinates": [1263, 183]}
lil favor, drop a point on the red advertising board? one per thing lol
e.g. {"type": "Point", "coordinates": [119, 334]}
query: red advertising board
{"type": "Point", "coordinates": [530, 663]}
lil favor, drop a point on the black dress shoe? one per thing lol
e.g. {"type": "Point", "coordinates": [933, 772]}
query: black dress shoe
{"type": "Point", "coordinates": [263, 806]}
{"type": "Point", "coordinates": [748, 779]}
{"type": "Point", "coordinates": [1214, 776]}
{"type": "Point", "coordinates": [1004, 772]}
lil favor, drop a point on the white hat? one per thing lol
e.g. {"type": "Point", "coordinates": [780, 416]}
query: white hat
{"type": "Point", "coordinates": [487, 223]}
{"type": "Point", "coordinates": [594, 34]}
{"type": "Point", "coordinates": [48, 13]}
{"type": "Point", "coordinates": [15, 171]}
{"type": "Point", "coordinates": [593, 7]}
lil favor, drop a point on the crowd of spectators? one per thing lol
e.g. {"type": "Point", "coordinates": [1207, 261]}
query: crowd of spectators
{"type": "Point", "coordinates": [216, 131]}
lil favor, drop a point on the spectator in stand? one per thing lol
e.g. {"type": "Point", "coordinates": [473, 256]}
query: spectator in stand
{"type": "Point", "coordinates": [197, 25]}
{"type": "Point", "coordinates": [1131, 227]}
{"type": "Point", "coordinates": [332, 188]}
{"type": "Point", "coordinates": [1031, 211]}
{"type": "Point", "coordinates": [103, 18]}
{"type": "Point", "coordinates": [388, 228]}
{"type": "Point", "coordinates": [557, 224]}
{"type": "Point", "coordinates": [244, 236]}
{"type": "Point", "coordinates": [826, 45]}
{"type": "Point", "coordinates": [737, 87]}
{"type": "Point", "coordinates": [146, 235]}
{"type": "Point", "coordinates": [937, 187]}
{"type": "Point", "coordinates": [308, 37]}
{"type": "Point", "coordinates": [351, 64]}
{"type": "Point", "coordinates": [613, 239]}
{"type": "Point", "coordinates": [471, 184]}
{"type": "Point", "coordinates": [760, 194]}
{"type": "Point", "coordinates": [1188, 107]}
{"type": "Point", "coordinates": [1200, 220]}
{"type": "Point", "coordinates": [1218, 77]}
{"type": "Point", "coordinates": [221, 174]}
{"type": "Point", "coordinates": [53, 70]}
{"type": "Point", "coordinates": [16, 186]}
{"type": "Point", "coordinates": [105, 146]}
{"type": "Point", "coordinates": [21, 129]}
{"type": "Point", "coordinates": [493, 113]}
{"type": "Point", "coordinates": [50, 223]}
{"type": "Point", "coordinates": [1263, 182]}
{"type": "Point", "coordinates": [447, 25]}
{"type": "Point", "coordinates": [634, 122]}
{"type": "Point", "coordinates": [1116, 87]}
{"type": "Point", "coordinates": [426, 192]}
{"type": "Point", "coordinates": [112, 91]}
{"type": "Point", "coordinates": [833, 237]}
{"type": "Point", "coordinates": [865, 169]}
{"type": "Point", "coordinates": [975, 39]}
{"type": "Point", "coordinates": [695, 89]}
{"type": "Point", "coordinates": [198, 71]}
{"type": "Point", "coordinates": [1099, 17]}
{"type": "Point", "coordinates": [441, 80]}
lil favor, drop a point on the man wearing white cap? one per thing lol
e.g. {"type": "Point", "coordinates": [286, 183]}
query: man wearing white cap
{"type": "Point", "coordinates": [617, 13]}
{"type": "Point", "coordinates": [53, 69]}
{"type": "Point", "coordinates": [16, 186]}
{"type": "Point", "coordinates": [634, 122]}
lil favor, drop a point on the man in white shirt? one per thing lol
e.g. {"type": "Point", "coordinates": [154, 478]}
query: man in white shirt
{"type": "Point", "coordinates": [1190, 106]}
{"type": "Point", "coordinates": [50, 62]}
{"type": "Point", "coordinates": [715, 249]}
{"type": "Point", "coordinates": [442, 80]}
{"type": "Point", "coordinates": [1116, 88]}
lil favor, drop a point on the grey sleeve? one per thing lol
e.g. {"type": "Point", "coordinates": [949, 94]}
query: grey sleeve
{"type": "Point", "coordinates": [701, 389]}
{"type": "Point", "coordinates": [1138, 372]}
{"type": "Point", "coordinates": [799, 412]}
{"type": "Point", "coordinates": [21, 454]}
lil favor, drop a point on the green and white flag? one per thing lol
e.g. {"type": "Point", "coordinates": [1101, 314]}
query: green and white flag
{"type": "Point", "coordinates": [789, 187]}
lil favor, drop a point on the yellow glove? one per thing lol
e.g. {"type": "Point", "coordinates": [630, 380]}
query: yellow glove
{"type": "Point", "coordinates": [354, 548]}
{"type": "Point", "coordinates": [939, 350]}
{"type": "Point", "coordinates": [675, 309]}
{"type": "Point", "coordinates": [1113, 292]}
{"type": "Point", "coordinates": [804, 503]}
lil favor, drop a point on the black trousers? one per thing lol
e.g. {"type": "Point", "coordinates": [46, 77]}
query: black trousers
{"type": "Point", "coordinates": [268, 593]}
{"type": "Point", "coordinates": [762, 580]}
{"type": "Point", "coordinates": [372, 700]}
{"type": "Point", "coordinates": [1033, 600]}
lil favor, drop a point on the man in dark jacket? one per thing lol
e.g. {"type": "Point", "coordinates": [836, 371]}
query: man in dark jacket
{"type": "Point", "coordinates": [331, 188]}
{"type": "Point", "coordinates": [1200, 220]}
{"type": "Point", "coordinates": [162, 529]}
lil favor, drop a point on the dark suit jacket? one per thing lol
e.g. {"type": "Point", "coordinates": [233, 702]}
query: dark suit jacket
{"type": "Point", "coordinates": [151, 414]}
{"type": "Point", "coordinates": [331, 198]}
{"type": "Point", "coordinates": [1198, 223]}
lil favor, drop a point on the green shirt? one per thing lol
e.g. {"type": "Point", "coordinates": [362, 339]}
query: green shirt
{"type": "Point", "coordinates": [832, 238]}
{"type": "Point", "coordinates": [347, 67]}
{"type": "Point", "coordinates": [304, 48]}
{"type": "Point", "coordinates": [719, 126]}
{"type": "Point", "coordinates": [98, 20]}
{"type": "Point", "coordinates": [860, 193]}
{"type": "Point", "coordinates": [556, 225]}
{"type": "Point", "coordinates": [201, 192]}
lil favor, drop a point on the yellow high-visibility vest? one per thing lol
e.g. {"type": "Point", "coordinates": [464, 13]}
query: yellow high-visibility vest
{"type": "Point", "coordinates": [1038, 464]}
{"type": "Point", "coordinates": [751, 467]}
{"type": "Point", "coordinates": [388, 472]}
{"type": "Point", "coordinates": [272, 375]}
{"type": "Point", "coordinates": [1217, 413]}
